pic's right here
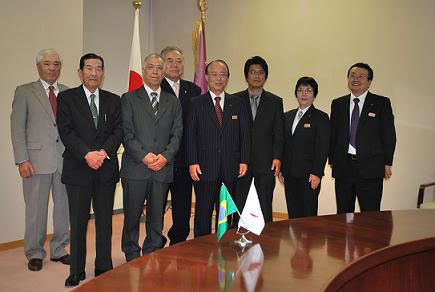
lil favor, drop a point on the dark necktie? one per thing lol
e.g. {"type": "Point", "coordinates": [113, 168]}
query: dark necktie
{"type": "Point", "coordinates": [217, 107]}
{"type": "Point", "coordinates": [254, 106]}
{"type": "Point", "coordinates": [354, 122]}
{"type": "Point", "coordinates": [94, 110]}
{"type": "Point", "coordinates": [52, 99]}
{"type": "Point", "coordinates": [154, 102]}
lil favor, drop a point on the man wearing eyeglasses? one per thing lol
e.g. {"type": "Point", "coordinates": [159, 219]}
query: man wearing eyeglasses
{"type": "Point", "coordinates": [363, 140]}
{"type": "Point", "coordinates": [266, 123]}
{"type": "Point", "coordinates": [218, 143]}
{"type": "Point", "coordinates": [181, 187]}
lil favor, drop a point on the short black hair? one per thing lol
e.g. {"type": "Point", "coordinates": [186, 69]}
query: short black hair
{"type": "Point", "coordinates": [89, 56]}
{"type": "Point", "coordinates": [256, 60]}
{"type": "Point", "coordinates": [307, 81]}
{"type": "Point", "coordinates": [217, 61]}
{"type": "Point", "coordinates": [364, 66]}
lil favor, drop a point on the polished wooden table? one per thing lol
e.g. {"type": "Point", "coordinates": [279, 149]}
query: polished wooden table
{"type": "Point", "coordinates": [372, 251]}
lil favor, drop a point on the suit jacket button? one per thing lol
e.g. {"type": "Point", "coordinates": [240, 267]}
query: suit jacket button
{"type": "Point", "coordinates": [57, 140]}
{"type": "Point", "coordinates": [55, 125]}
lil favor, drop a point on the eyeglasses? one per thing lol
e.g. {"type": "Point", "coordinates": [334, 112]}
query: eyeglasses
{"type": "Point", "coordinates": [254, 73]}
{"type": "Point", "coordinates": [357, 77]}
{"type": "Point", "coordinates": [306, 90]}
{"type": "Point", "coordinates": [221, 75]}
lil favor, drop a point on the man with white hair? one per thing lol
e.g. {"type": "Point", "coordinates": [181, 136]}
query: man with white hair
{"type": "Point", "coordinates": [38, 155]}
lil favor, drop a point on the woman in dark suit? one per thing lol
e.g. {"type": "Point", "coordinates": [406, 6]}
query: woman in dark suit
{"type": "Point", "coordinates": [306, 146]}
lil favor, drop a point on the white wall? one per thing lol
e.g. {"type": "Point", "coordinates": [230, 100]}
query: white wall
{"type": "Point", "coordinates": [322, 39]}
{"type": "Point", "coordinates": [26, 28]}
{"type": "Point", "coordinates": [299, 37]}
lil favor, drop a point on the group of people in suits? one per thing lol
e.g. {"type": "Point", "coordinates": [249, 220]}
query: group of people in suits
{"type": "Point", "coordinates": [174, 137]}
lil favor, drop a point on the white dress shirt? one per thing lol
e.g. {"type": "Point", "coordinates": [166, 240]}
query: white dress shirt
{"type": "Point", "coordinates": [222, 96]}
{"type": "Point", "coordinates": [46, 87]}
{"type": "Point", "coordinates": [97, 97]}
{"type": "Point", "coordinates": [296, 120]}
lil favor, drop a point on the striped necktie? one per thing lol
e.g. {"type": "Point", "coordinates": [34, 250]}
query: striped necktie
{"type": "Point", "coordinates": [94, 110]}
{"type": "Point", "coordinates": [154, 102]}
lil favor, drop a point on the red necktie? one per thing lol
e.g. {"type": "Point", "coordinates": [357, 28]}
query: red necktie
{"type": "Point", "coordinates": [52, 98]}
{"type": "Point", "coordinates": [217, 107]}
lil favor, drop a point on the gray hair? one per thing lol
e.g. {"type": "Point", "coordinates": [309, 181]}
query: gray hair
{"type": "Point", "coordinates": [170, 48]}
{"type": "Point", "coordinates": [151, 56]}
{"type": "Point", "coordinates": [40, 55]}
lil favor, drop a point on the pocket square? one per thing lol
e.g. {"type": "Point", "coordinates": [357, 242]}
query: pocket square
{"type": "Point", "coordinates": [372, 115]}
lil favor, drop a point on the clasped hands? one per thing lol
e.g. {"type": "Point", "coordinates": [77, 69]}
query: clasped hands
{"type": "Point", "coordinates": [95, 159]}
{"type": "Point", "coordinates": [154, 162]}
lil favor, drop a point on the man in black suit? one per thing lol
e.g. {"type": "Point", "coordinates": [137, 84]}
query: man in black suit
{"type": "Point", "coordinates": [363, 140]}
{"type": "Point", "coordinates": [181, 187]}
{"type": "Point", "coordinates": [266, 116]}
{"type": "Point", "coordinates": [306, 146]}
{"type": "Point", "coordinates": [153, 125]}
{"type": "Point", "coordinates": [218, 143]}
{"type": "Point", "coordinates": [90, 126]}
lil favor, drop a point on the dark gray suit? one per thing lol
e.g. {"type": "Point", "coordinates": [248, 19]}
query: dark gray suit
{"type": "Point", "coordinates": [35, 138]}
{"type": "Point", "coordinates": [144, 132]}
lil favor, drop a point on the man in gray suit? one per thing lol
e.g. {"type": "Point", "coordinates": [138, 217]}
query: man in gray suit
{"type": "Point", "coordinates": [38, 155]}
{"type": "Point", "coordinates": [152, 124]}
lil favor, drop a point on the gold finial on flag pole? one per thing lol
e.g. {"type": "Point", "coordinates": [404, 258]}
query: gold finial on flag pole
{"type": "Point", "coordinates": [202, 5]}
{"type": "Point", "coordinates": [137, 4]}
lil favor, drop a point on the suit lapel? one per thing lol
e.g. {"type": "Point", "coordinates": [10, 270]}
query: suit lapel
{"type": "Point", "coordinates": [209, 107]}
{"type": "Point", "coordinates": [346, 113]}
{"type": "Point", "coordinates": [42, 97]}
{"type": "Point", "coordinates": [292, 116]}
{"type": "Point", "coordinates": [167, 87]}
{"type": "Point", "coordinates": [83, 105]}
{"type": "Point", "coordinates": [262, 106]}
{"type": "Point", "coordinates": [163, 104]}
{"type": "Point", "coordinates": [367, 107]}
{"type": "Point", "coordinates": [102, 110]}
{"type": "Point", "coordinates": [305, 120]}
{"type": "Point", "coordinates": [228, 110]}
{"type": "Point", "coordinates": [145, 101]}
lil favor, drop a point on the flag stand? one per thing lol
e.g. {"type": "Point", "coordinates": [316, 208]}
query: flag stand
{"type": "Point", "coordinates": [242, 242]}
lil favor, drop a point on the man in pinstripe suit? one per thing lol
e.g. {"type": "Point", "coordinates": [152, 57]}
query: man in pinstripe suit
{"type": "Point", "coordinates": [218, 143]}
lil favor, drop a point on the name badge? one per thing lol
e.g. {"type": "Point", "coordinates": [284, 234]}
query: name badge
{"type": "Point", "coordinates": [234, 117]}
{"type": "Point", "coordinates": [307, 125]}
{"type": "Point", "coordinates": [372, 115]}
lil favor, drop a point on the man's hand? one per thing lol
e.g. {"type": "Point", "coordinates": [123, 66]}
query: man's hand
{"type": "Point", "coordinates": [243, 168]}
{"type": "Point", "coordinates": [149, 158]}
{"type": "Point", "coordinates": [95, 159]}
{"type": "Point", "coordinates": [388, 171]}
{"type": "Point", "coordinates": [276, 165]}
{"type": "Point", "coordinates": [195, 171]}
{"type": "Point", "coordinates": [281, 177]}
{"type": "Point", "coordinates": [26, 169]}
{"type": "Point", "coordinates": [104, 153]}
{"type": "Point", "coordinates": [158, 163]}
{"type": "Point", "coordinates": [314, 180]}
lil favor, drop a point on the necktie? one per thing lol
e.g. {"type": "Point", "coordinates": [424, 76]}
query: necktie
{"type": "Point", "coordinates": [52, 99]}
{"type": "Point", "coordinates": [354, 122]}
{"type": "Point", "coordinates": [94, 110]}
{"type": "Point", "coordinates": [254, 106]}
{"type": "Point", "coordinates": [154, 102]}
{"type": "Point", "coordinates": [300, 115]}
{"type": "Point", "coordinates": [217, 107]}
{"type": "Point", "coordinates": [176, 89]}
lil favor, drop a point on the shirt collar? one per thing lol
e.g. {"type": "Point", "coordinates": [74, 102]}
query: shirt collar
{"type": "Point", "coordinates": [361, 98]}
{"type": "Point", "coordinates": [149, 90]}
{"type": "Point", "coordinates": [46, 85]}
{"type": "Point", "coordinates": [172, 82]}
{"type": "Point", "coordinates": [222, 95]}
{"type": "Point", "coordinates": [88, 93]}
{"type": "Point", "coordinates": [304, 110]}
{"type": "Point", "coordinates": [260, 92]}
